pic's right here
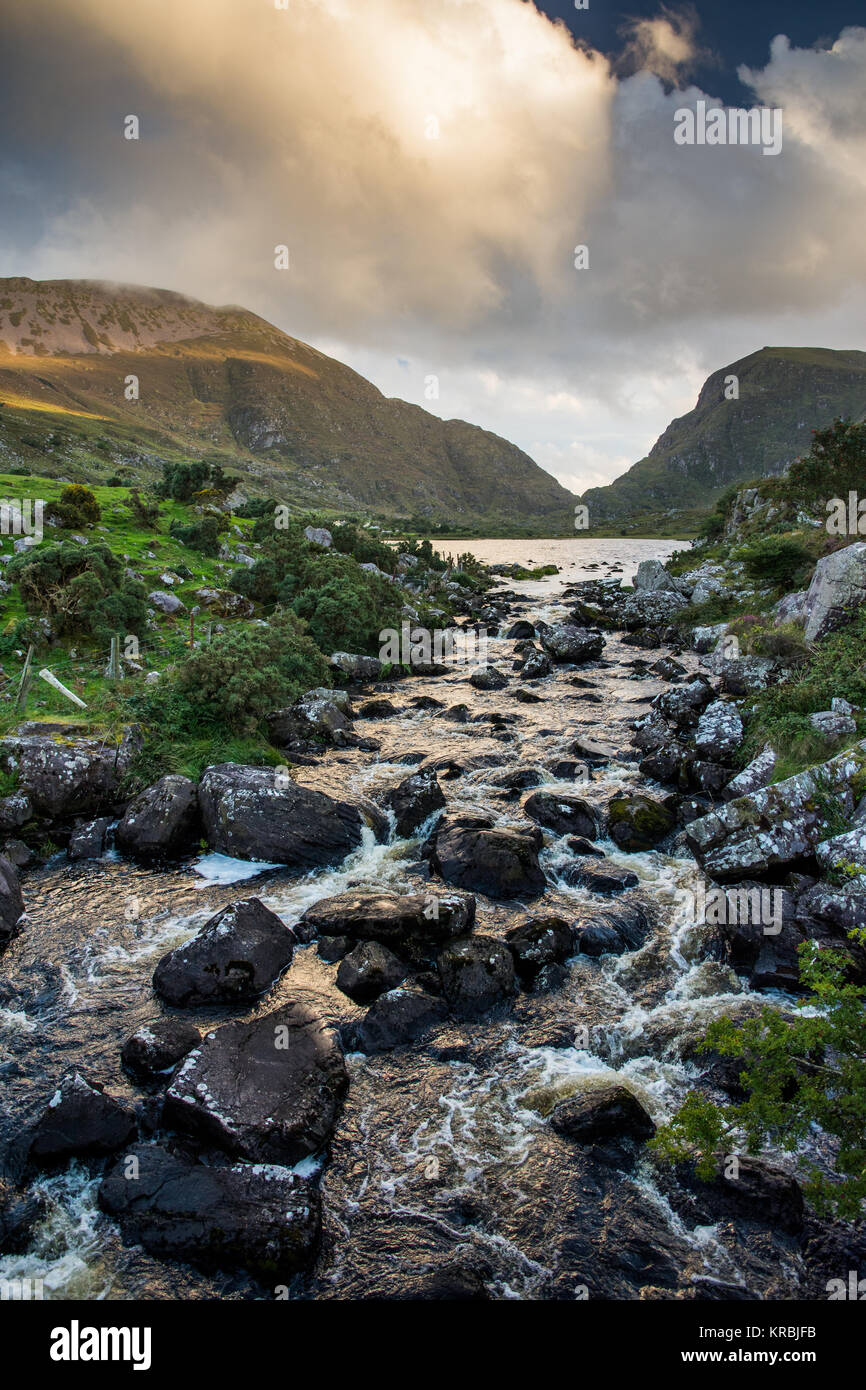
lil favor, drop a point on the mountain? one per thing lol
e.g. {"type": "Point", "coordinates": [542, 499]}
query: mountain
{"type": "Point", "coordinates": [224, 384]}
{"type": "Point", "coordinates": [784, 393]}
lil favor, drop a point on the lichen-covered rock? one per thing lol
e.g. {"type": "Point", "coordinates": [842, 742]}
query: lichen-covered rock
{"type": "Point", "coordinates": [758, 773]}
{"type": "Point", "coordinates": [234, 958]}
{"type": "Point", "coordinates": [829, 724]}
{"type": "Point", "coordinates": [169, 604]}
{"type": "Point", "coordinates": [637, 822]}
{"type": "Point", "coordinates": [652, 577]}
{"type": "Point", "coordinates": [539, 941]}
{"type": "Point", "coordinates": [790, 609]}
{"type": "Point", "coordinates": [66, 773]}
{"type": "Point", "coordinates": [651, 608]}
{"type": "Point", "coordinates": [258, 1218]}
{"type": "Point", "coordinates": [683, 705]}
{"type": "Point", "coordinates": [777, 824]}
{"type": "Point", "coordinates": [355, 668]}
{"type": "Point", "coordinates": [567, 643]}
{"type": "Point", "coordinates": [837, 590]}
{"type": "Point", "coordinates": [719, 732]}
{"type": "Point", "coordinates": [89, 840]}
{"type": "Point", "coordinates": [268, 1090]}
{"type": "Point", "coordinates": [163, 821]}
{"type": "Point", "coordinates": [320, 714]}
{"type": "Point", "coordinates": [319, 535]}
{"type": "Point", "coordinates": [11, 901]}
{"type": "Point", "coordinates": [477, 972]}
{"type": "Point", "coordinates": [847, 849]}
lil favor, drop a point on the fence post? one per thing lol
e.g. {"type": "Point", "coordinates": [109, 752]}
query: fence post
{"type": "Point", "coordinates": [113, 672]}
{"type": "Point", "coordinates": [26, 679]}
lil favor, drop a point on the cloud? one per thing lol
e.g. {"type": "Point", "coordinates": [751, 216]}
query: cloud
{"type": "Point", "coordinates": [665, 45]}
{"type": "Point", "coordinates": [432, 169]}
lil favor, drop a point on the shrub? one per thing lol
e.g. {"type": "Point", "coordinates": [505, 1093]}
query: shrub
{"type": "Point", "coordinates": [144, 511]}
{"type": "Point", "coordinates": [201, 535]}
{"type": "Point", "coordinates": [777, 560]}
{"type": "Point", "coordinates": [345, 607]}
{"type": "Point", "coordinates": [80, 589]}
{"type": "Point", "coordinates": [366, 549]}
{"type": "Point", "coordinates": [835, 463]}
{"type": "Point", "coordinates": [77, 507]}
{"type": "Point", "coordinates": [181, 481]}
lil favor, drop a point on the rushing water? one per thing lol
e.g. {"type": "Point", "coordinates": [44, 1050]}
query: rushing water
{"type": "Point", "coordinates": [443, 1152]}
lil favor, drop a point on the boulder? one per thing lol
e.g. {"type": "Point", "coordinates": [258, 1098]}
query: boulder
{"type": "Point", "coordinates": [488, 678]}
{"type": "Point", "coordinates": [413, 801]}
{"type": "Point", "coordinates": [754, 1191]}
{"type": "Point", "coordinates": [11, 901]}
{"type": "Point", "coordinates": [319, 535]}
{"type": "Point", "coordinates": [652, 608]}
{"type": "Point", "coordinates": [400, 1017]}
{"type": "Point", "coordinates": [477, 972]}
{"type": "Point", "coordinates": [320, 714]}
{"type": "Point", "coordinates": [235, 957]}
{"type": "Point", "coordinates": [540, 941]}
{"type": "Point", "coordinates": [65, 773]}
{"type": "Point", "coordinates": [831, 725]}
{"type": "Point", "coordinates": [774, 825]}
{"type": "Point", "coordinates": [683, 705]}
{"type": "Point", "coordinates": [705, 639]}
{"type": "Point", "coordinates": [392, 919]}
{"type": "Point", "coordinates": [369, 970]}
{"type": "Point", "coordinates": [357, 669]}
{"type": "Point", "coordinates": [745, 675]}
{"type": "Point", "coordinates": [758, 773]}
{"type": "Point", "coordinates": [166, 603]}
{"type": "Point", "coordinates": [535, 666]}
{"type": "Point", "coordinates": [719, 732]}
{"type": "Point", "coordinates": [254, 813]}
{"type": "Point", "coordinates": [81, 1119]}
{"type": "Point", "coordinates": [156, 1048]}
{"type": "Point", "coordinates": [378, 709]}
{"type": "Point", "coordinates": [224, 603]}
{"type": "Point", "coordinates": [500, 863]}
{"type": "Point", "coordinates": [652, 577]}
{"type": "Point", "coordinates": [19, 1213]}
{"type": "Point", "coordinates": [608, 1111]}
{"type": "Point", "coordinates": [162, 822]}
{"type": "Point", "coordinates": [268, 1090]}
{"type": "Point", "coordinates": [637, 822]}
{"type": "Point", "coordinates": [790, 609]}
{"type": "Point", "coordinates": [262, 1219]}
{"type": "Point", "coordinates": [89, 840]}
{"type": "Point", "coordinates": [564, 814]}
{"type": "Point", "coordinates": [846, 849]}
{"type": "Point", "coordinates": [567, 643]}
{"type": "Point", "coordinates": [623, 926]}
{"type": "Point", "coordinates": [15, 810]}
{"type": "Point", "coordinates": [606, 881]}
{"type": "Point", "coordinates": [520, 631]}
{"type": "Point", "coordinates": [837, 590]}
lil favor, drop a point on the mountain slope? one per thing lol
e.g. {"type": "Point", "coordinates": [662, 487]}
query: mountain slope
{"type": "Point", "coordinates": [784, 393]}
{"type": "Point", "coordinates": [223, 382]}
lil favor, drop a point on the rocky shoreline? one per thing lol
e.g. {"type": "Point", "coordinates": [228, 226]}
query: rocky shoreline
{"type": "Point", "coordinates": [438, 1080]}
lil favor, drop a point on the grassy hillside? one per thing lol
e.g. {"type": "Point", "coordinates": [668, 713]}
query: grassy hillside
{"type": "Point", "coordinates": [784, 394]}
{"type": "Point", "coordinates": [224, 384]}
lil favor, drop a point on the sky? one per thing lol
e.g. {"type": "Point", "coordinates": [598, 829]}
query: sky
{"type": "Point", "coordinates": [432, 166]}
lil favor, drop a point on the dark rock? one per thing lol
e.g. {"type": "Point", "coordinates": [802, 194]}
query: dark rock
{"type": "Point", "coordinates": [391, 919]}
{"type": "Point", "coordinates": [399, 1017]}
{"type": "Point", "coordinates": [606, 881]}
{"type": "Point", "coordinates": [527, 697]}
{"type": "Point", "coordinates": [684, 704]}
{"type": "Point", "coordinates": [565, 814]}
{"type": "Point", "coordinates": [758, 1192]}
{"type": "Point", "coordinates": [332, 948]}
{"type": "Point", "coordinates": [368, 971]}
{"type": "Point", "coordinates": [567, 643]}
{"type": "Point", "coordinates": [258, 1219]}
{"type": "Point", "coordinates": [19, 1213]}
{"type": "Point", "coordinates": [235, 957]}
{"type": "Point", "coordinates": [637, 822]}
{"type": "Point", "coordinates": [477, 972]}
{"type": "Point", "coordinates": [583, 847]}
{"type": "Point", "coordinates": [164, 821]}
{"type": "Point", "coordinates": [610, 1111]}
{"type": "Point", "coordinates": [88, 841]}
{"type": "Point", "coordinates": [667, 669]}
{"type": "Point", "coordinates": [535, 666]}
{"type": "Point", "coordinates": [540, 941]}
{"type": "Point", "coordinates": [592, 752]}
{"type": "Point", "coordinates": [622, 927]}
{"type": "Point", "coordinates": [11, 901]}
{"type": "Point", "coordinates": [156, 1048]}
{"type": "Point", "coordinates": [377, 709]}
{"type": "Point", "coordinates": [460, 714]}
{"type": "Point", "coordinates": [64, 774]}
{"type": "Point", "coordinates": [488, 678]}
{"type": "Point", "coordinates": [268, 1090]}
{"type": "Point", "coordinates": [520, 630]}
{"type": "Point", "coordinates": [80, 1119]}
{"type": "Point", "coordinates": [414, 801]}
{"type": "Point", "coordinates": [500, 863]}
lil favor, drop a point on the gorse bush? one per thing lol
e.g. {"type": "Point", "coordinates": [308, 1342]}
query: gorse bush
{"type": "Point", "coordinates": [81, 590]}
{"type": "Point", "coordinates": [203, 536]}
{"type": "Point", "coordinates": [366, 549]}
{"type": "Point", "coordinates": [77, 507]}
{"type": "Point", "coordinates": [344, 606]}
{"type": "Point", "coordinates": [777, 560]}
{"type": "Point", "coordinates": [182, 481]}
{"type": "Point", "coordinates": [835, 464]}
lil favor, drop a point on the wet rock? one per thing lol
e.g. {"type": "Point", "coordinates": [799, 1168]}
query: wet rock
{"type": "Point", "coordinates": [577, 845]}
{"type": "Point", "coordinates": [683, 705]}
{"type": "Point", "coordinates": [392, 919]}
{"type": "Point", "coordinates": [400, 1017]}
{"type": "Point", "coordinates": [414, 801]}
{"type": "Point", "coordinates": [253, 813]}
{"type": "Point", "coordinates": [477, 972]}
{"type": "Point", "coordinates": [369, 970]}
{"type": "Point", "coordinates": [755, 1191]}
{"type": "Point", "coordinates": [460, 714]}
{"type": "Point", "coordinates": [11, 901]}
{"type": "Point", "coordinates": [607, 881]}
{"type": "Point", "coordinates": [268, 1090]}
{"type": "Point", "coordinates": [65, 774]}
{"type": "Point", "coordinates": [719, 732]}
{"type": "Point", "coordinates": [236, 956]}
{"type": "Point", "coordinates": [358, 669]}
{"type": "Point", "coordinates": [321, 714]}
{"type": "Point", "coordinates": [488, 678]}
{"type": "Point", "coordinates": [837, 590]}
{"type": "Point", "coordinates": [527, 697]}
{"type": "Point", "coordinates": [593, 752]}
{"type": "Point", "coordinates": [666, 764]}
{"type": "Point", "coordinates": [520, 631]}
{"type": "Point", "coordinates": [163, 822]}
{"type": "Point", "coordinates": [89, 840]}
{"type": "Point", "coordinates": [156, 1048]}
{"type": "Point", "coordinates": [609, 1111]}
{"type": "Point", "coordinates": [567, 643]}
{"type": "Point", "coordinates": [774, 825]}
{"type": "Point", "coordinates": [667, 669]}
{"type": "Point", "coordinates": [540, 941]}
{"type": "Point", "coordinates": [758, 773]}
{"type": "Point", "coordinates": [81, 1119]}
{"type": "Point", "coordinates": [378, 709]}
{"type": "Point", "coordinates": [330, 949]}
{"type": "Point", "coordinates": [262, 1219]}
{"type": "Point", "coordinates": [564, 814]}
{"type": "Point", "coordinates": [517, 778]}
{"type": "Point", "coordinates": [19, 1213]}
{"type": "Point", "coordinates": [535, 666]}
{"type": "Point", "coordinates": [499, 863]}
{"type": "Point", "coordinates": [638, 823]}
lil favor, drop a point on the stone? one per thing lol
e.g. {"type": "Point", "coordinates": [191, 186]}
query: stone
{"type": "Point", "coordinates": [81, 1119]}
{"type": "Point", "coordinates": [268, 1090]}
{"type": "Point", "coordinates": [602, 1112]}
{"type": "Point", "coordinates": [565, 814]}
{"type": "Point", "coordinates": [378, 709]}
{"type": "Point", "coordinates": [500, 863]}
{"type": "Point", "coordinates": [162, 822]}
{"type": "Point", "coordinates": [15, 810]}
{"type": "Point", "coordinates": [606, 881]}
{"type": "Point", "coordinates": [637, 822]}
{"type": "Point", "coordinates": [319, 535]}
{"type": "Point", "coordinates": [477, 972]}
{"type": "Point", "coordinates": [413, 801]}
{"type": "Point", "coordinates": [238, 954]}
{"type": "Point", "coordinates": [89, 840]}
{"type": "Point", "coordinates": [790, 609]}
{"type": "Point", "coordinates": [758, 773]}
{"type": "Point", "coordinates": [155, 1049]}
{"type": "Point", "coordinates": [719, 732]}
{"type": "Point", "coordinates": [846, 849]}
{"type": "Point", "coordinates": [567, 643]}
{"type": "Point", "coordinates": [11, 901]}
{"type": "Point", "coordinates": [488, 678]}
{"type": "Point", "coordinates": [166, 603]}
{"type": "Point", "coordinates": [358, 669]}
{"type": "Point", "coordinates": [257, 1218]}
{"type": "Point", "coordinates": [837, 590]}
{"type": "Point", "coordinates": [392, 919]}
{"type": "Point", "coordinates": [535, 666]}
{"type": "Point", "coordinates": [831, 725]}
{"type": "Point", "coordinates": [652, 577]}
{"type": "Point", "coordinates": [520, 631]}
{"type": "Point", "coordinates": [400, 1017]}
{"type": "Point", "coordinates": [539, 941]}
{"type": "Point", "coordinates": [19, 1213]}
{"type": "Point", "coordinates": [65, 773]}
{"type": "Point", "coordinates": [369, 970]}
{"type": "Point", "coordinates": [320, 714]}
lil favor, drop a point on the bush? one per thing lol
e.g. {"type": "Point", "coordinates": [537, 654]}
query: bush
{"type": "Point", "coordinates": [243, 674]}
{"type": "Point", "coordinates": [144, 511]}
{"type": "Point", "coordinates": [835, 464]}
{"type": "Point", "coordinates": [201, 535]}
{"type": "Point", "coordinates": [181, 481]}
{"type": "Point", "coordinates": [366, 549]}
{"type": "Point", "coordinates": [77, 507]}
{"type": "Point", "coordinates": [777, 560]}
{"type": "Point", "coordinates": [345, 607]}
{"type": "Point", "coordinates": [81, 590]}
